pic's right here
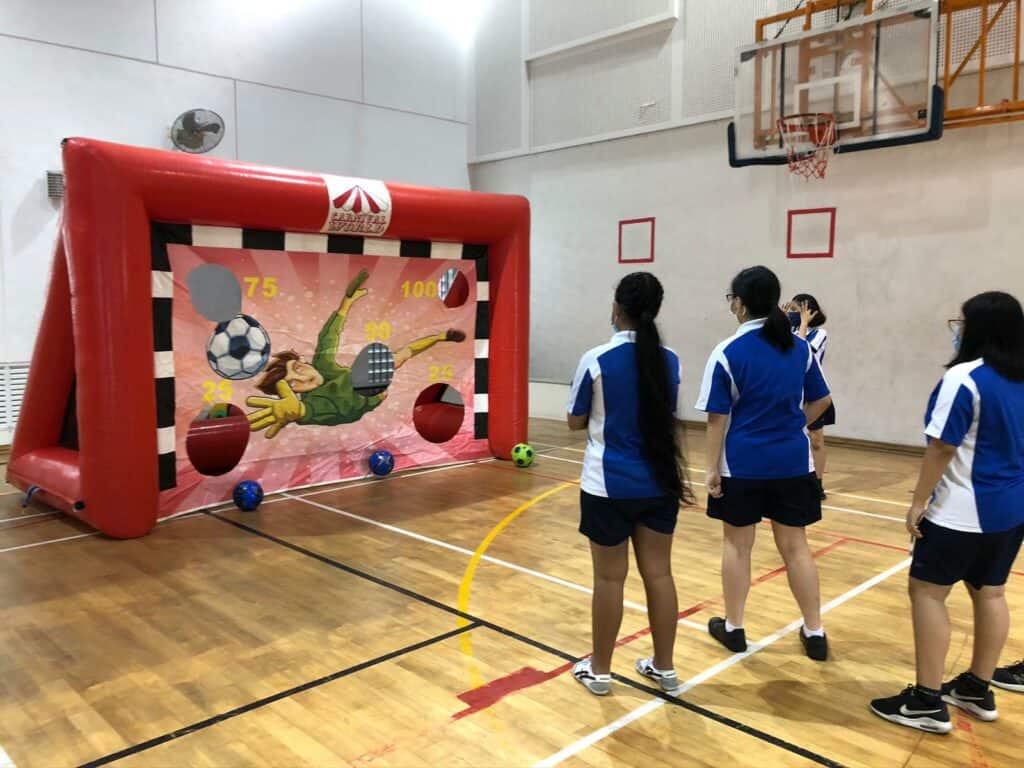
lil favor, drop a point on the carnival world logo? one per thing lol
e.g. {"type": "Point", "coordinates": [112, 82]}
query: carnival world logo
{"type": "Point", "coordinates": [357, 206]}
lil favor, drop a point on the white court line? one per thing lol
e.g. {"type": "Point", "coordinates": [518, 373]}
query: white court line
{"type": "Point", "coordinates": [589, 740]}
{"type": "Point", "coordinates": [469, 553]}
{"type": "Point", "coordinates": [904, 504]}
{"type": "Point", "coordinates": [48, 541]}
{"type": "Point", "coordinates": [5, 760]}
{"type": "Point", "coordinates": [25, 517]}
{"type": "Point", "coordinates": [171, 519]}
{"type": "Point", "coordinates": [875, 515]}
{"type": "Point", "coordinates": [565, 448]}
{"type": "Point", "coordinates": [346, 485]}
{"type": "Point", "coordinates": [847, 510]}
{"type": "Point", "coordinates": [353, 483]}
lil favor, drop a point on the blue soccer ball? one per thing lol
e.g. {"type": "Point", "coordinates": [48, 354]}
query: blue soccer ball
{"type": "Point", "coordinates": [248, 495]}
{"type": "Point", "coordinates": [381, 463]}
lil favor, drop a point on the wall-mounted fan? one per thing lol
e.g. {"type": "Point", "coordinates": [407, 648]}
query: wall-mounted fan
{"type": "Point", "coordinates": [197, 131]}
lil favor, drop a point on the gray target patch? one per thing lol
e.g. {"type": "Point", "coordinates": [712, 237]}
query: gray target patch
{"type": "Point", "coordinates": [215, 292]}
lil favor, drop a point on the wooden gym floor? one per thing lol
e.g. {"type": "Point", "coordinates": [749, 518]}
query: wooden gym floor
{"type": "Point", "coordinates": [430, 620]}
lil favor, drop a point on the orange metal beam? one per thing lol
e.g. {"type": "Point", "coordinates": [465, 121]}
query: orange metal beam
{"type": "Point", "coordinates": [812, 7]}
{"type": "Point", "coordinates": [983, 61]}
{"type": "Point", "coordinates": [954, 6]}
{"type": "Point", "coordinates": [1012, 117]}
{"type": "Point", "coordinates": [981, 39]}
{"type": "Point", "coordinates": [1003, 108]}
{"type": "Point", "coordinates": [1016, 54]}
{"type": "Point", "coordinates": [982, 114]}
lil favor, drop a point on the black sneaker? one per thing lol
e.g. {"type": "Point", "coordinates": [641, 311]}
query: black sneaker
{"type": "Point", "coordinates": [1010, 678]}
{"type": "Point", "coordinates": [910, 710]}
{"type": "Point", "coordinates": [958, 693]}
{"type": "Point", "coordinates": [735, 641]}
{"type": "Point", "coordinates": [816, 646]}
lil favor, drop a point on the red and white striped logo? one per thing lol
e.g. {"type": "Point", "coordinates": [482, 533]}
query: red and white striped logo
{"type": "Point", "coordinates": [357, 206]}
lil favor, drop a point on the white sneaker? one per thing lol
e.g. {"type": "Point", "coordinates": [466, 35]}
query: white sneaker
{"type": "Point", "coordinates": [666, 678]}
{"type": "Point", "coordinates": [599, 685]}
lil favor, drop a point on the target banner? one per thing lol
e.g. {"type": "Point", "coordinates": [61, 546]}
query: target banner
{"type": "Point", "coordinates": [292, 368]}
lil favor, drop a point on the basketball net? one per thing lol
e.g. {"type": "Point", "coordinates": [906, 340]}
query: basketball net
{"type": "Point", "coordinates": [809, 139]}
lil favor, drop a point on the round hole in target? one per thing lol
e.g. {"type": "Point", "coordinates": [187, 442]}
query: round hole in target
{"type": "Point", "coordinates": [217, 439]}
{"type": "Point", "coordinates": [453, 288]}
{"type": "Point", "coordinates": [438, 413]}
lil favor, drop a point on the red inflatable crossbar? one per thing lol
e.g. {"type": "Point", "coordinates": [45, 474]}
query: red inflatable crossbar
{"type": "Point", "coordinates": [100, 308]}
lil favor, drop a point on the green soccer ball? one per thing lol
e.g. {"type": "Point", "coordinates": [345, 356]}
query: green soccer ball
{"type": "Point", "coordinates": [522, 455]}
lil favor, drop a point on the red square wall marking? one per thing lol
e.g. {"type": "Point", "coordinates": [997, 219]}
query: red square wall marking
{"type": "Point", "coordinates": [811, 233]}
{"type": "Point", "coordinates": [636, 241]}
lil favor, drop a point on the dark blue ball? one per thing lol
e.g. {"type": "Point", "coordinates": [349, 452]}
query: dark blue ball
{"type": "Point", "coordinates": [248, 495]}
{"type": "Point", "coordinates": [381, 463]}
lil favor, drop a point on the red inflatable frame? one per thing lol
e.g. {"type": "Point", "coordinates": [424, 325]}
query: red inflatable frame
{"type": "Point", "coordinates": [99, 310]}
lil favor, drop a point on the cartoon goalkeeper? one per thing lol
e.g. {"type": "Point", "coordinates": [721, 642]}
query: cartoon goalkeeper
{"type": "Point", "coordinates": [321, 393]}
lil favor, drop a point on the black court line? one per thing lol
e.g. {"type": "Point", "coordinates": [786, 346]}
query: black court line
{"type": "Point", "coordinates": [210, 721]}
{"type": "Point", "coordinates": [689, 706]}
{"type": "Point", "coordinates": [729, 722]}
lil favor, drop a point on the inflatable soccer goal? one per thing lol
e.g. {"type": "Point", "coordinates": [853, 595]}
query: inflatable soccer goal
{"type": "Point", "coordinates": [213, 321]}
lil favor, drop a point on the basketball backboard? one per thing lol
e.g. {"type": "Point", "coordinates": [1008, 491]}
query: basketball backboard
{"type": "Point", "coordinates": [876, 74]}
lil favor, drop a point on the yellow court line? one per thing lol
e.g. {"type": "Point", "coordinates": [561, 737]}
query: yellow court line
{"type": "Point", "coordinates": [465, 642]}
{"type": "Point", "coordinates": [467, 578]}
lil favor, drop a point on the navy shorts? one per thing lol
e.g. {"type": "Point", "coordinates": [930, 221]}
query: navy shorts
{"type": "Point", "coordinates": [945, 556]}
{"type": "Point", "coordinates": [793, 501]}
{"type": "Point", "coordinates": [826, 419]}
{"type": "Point", "coordinates": [609, 522]}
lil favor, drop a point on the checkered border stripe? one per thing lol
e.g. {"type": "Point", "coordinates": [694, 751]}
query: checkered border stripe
{"type": "Point", "coordinates": [163, 234]}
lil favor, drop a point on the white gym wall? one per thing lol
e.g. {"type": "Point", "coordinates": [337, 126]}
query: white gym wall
{"type": "Point", "coordinates": [373, 88]}
{"type": "Point", "coordinates": [918, 229]}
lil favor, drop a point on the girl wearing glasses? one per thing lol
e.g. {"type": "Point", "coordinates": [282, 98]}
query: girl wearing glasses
{"type": "Point", "coordinates": [967, 515]}
{"type": "Point", "coordinates": [761, 388]}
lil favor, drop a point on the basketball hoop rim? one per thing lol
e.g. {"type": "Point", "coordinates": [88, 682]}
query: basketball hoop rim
{"type": "Point", "coordinates": [820, 117]}
{"type": "Point", "coordinates": [809, 137]}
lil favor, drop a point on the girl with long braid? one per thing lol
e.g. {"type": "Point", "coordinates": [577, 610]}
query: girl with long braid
{"type": "Point", "coordinates": [626, 395]}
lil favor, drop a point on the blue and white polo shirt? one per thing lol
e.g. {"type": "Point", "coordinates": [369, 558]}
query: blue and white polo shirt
{"type": "Point", "coordinates": [982, 414]}
{"type": "Point", "coordinates": [606, 388]}
{"type": "Point", "coordinates": [763, 391]}
{"type": "Point", "coordinates": [818, 339]}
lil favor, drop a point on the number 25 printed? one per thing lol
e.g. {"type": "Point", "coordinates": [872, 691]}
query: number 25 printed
{"type": "Point", "coordinates": [214, 391]}
{"type": "Point", "coordinates": [442, 373]}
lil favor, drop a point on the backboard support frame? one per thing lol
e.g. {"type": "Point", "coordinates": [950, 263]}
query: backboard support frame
{"type": "Point", "coordinates": [857, 39]}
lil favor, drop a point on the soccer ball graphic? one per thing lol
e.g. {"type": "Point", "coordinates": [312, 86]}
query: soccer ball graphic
{"type": "Point", "coordinates": [239, 348]}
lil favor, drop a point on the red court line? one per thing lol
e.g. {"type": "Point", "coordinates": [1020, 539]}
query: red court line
{"type": "Point", "coordinates": [857, 540]}
{"type": "Point", "coordinates": [965, 726]}
{"type": "Point", "coordinates": [870, 542]}
{"type": "Point", "coordinates": [489, 694]}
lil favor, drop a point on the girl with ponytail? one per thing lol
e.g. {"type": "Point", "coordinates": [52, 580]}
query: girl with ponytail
{"type": "Point", "coordinates": [626, 394]}
{"type": "Point", "coordinates": [761, 389]}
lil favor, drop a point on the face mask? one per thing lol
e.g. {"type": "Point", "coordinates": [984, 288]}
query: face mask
{"type": "Point", "coordinates": [956, 340]}
{"type": "Point", "coordinates": [794, 319]}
